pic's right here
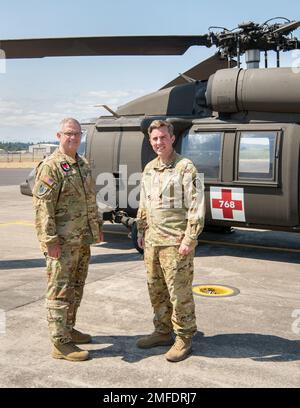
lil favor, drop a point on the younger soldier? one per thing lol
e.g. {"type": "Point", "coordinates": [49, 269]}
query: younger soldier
{"type": "Point", "coordinates": [67, 222]}
{"type": "Point", "coordinates": [170, 217]}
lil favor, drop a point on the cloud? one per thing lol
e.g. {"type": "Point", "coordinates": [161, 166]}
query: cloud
{"type": "Point", "coordinates": [41, 113]}
{"type": "Point", "coordinates": [85, 102]}
{"type": "Point", "coordinates": [9, 107]}
{"type": "Point", "coordinates": [108, 94]}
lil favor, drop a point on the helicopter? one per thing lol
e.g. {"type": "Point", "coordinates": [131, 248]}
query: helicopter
{"type": "Point", "coordinates": [239, 126]}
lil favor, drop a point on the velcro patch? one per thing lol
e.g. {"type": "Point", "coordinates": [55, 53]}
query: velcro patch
{"type": "Point", "coordinates": [65, 166]}
{"type": "Point", "coordinates": [42, 189]}
{"type": "Point", "coordinates": [48, 180]}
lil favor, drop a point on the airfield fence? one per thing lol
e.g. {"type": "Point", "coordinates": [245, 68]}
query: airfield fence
{"type": "Point", "coordinates": [20, 157]}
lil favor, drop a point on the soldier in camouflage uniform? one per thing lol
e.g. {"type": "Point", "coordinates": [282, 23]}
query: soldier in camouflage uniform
{"type": "Point", "coordinates": [170, 218]}
{"type": "Point", "coordinates": [67, 222]}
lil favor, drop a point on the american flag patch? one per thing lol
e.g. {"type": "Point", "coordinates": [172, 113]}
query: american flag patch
{"type": "Point", "coordinates": [48, 180]}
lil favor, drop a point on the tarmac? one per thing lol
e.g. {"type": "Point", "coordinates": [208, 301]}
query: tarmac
{"type": "Point", "coordinates": [10, 177]}
{"type": "Point", "coordinates": [248, 340]}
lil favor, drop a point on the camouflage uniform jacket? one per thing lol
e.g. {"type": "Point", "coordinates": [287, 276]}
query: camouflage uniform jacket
{"type": "Point", "coordinates": [172, 208]}
{"type": "Point", "coordinates": [65, 202]}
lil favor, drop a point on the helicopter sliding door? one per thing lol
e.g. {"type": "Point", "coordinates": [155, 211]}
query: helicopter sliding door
{"type": "Point", "coordinates": [257, 173]}
{"type": "Point", "coordinates": [250, 173]}
{"type": "Point", "coordinates": [267, 168]}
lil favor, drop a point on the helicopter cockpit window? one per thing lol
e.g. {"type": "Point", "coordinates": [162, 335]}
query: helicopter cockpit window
{"type": "Point", "coordinates": [204, 149]}
{"type": "Point", "coordinates": [257, 155]}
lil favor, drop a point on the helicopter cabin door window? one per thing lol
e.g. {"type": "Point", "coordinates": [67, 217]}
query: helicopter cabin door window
{"type": "Point", "coordinates": [204, 149]}
{"type": "Point", "coordinates": [257, 155]}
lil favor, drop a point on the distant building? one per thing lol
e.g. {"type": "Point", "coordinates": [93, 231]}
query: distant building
{"type": "Point", "coordinates": [42, 149]}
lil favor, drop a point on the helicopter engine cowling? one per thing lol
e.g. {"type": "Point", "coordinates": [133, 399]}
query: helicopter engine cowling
{"type": "Point", "coordinates": [264, 90]}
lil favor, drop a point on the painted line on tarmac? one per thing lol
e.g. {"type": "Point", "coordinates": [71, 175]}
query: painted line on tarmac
{"type": "Point", "coordinates": [26, 223]}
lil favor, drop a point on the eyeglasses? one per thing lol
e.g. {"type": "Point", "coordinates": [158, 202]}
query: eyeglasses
{"type": "Point", "coordinates": [70, 134]}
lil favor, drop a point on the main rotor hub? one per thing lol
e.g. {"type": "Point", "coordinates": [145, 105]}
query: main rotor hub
{"type": "Point", "coordinates": [260, 37]}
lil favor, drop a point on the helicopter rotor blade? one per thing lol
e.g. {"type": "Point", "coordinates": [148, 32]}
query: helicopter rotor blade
{"type": "Point", "coordinates": [87, 46]}
{"type": "Point", "coordinates": [202, 71]}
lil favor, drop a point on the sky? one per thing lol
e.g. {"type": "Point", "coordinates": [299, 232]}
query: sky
{"type": "Point", "coordinates": [36, 94]}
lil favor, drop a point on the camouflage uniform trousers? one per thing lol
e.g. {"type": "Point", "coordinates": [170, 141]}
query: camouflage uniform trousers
{"type": "Point", "coordinates": [66, 279]}
{"type": "Point", "coordinates": [170, 277]}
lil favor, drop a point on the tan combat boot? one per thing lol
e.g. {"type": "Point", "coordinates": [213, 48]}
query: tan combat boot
{"type": "Point", "coordinates": [180, 349]}
{"type": "Point", "coordinates": [69, 351]}
{"type": "Point", "coordinates": [155, 339]}
{"type": "Point", "coordinates": [80, 338]}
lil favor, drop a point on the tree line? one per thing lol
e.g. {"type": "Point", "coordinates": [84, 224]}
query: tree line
{"type": "Point", "coordinates": [15, 146]}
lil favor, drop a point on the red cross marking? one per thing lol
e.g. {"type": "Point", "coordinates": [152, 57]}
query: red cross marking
{"type": "Point", "coordinates": [227, 204]}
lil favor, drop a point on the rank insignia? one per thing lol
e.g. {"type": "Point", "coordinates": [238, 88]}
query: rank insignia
{"type": "Point", "coordinates": [65, 166]}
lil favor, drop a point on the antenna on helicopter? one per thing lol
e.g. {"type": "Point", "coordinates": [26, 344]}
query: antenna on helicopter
{"type": "Point", "coordinates": [108, 109]}
{"type": "Point", "coordinates": [187, 78]}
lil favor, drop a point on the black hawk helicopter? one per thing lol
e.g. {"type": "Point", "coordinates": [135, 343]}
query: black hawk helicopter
{"type": "Point", "coordinates": [239, 126]}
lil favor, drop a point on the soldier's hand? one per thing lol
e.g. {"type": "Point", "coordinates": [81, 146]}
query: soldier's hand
{"type": "Point", "coordinates": [141, 242]}
{"type": "Point", "coordinates": [101, 237]}
{"type": "Point", "coordinates": [54, 251]}
{"type": "Point", "coordinates": [185, 249]}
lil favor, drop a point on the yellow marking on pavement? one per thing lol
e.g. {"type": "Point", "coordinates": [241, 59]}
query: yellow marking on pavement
{"type": "Point", "coordinates": [20, 222]}
{"type": "Point", "coordinates": [215, 290]}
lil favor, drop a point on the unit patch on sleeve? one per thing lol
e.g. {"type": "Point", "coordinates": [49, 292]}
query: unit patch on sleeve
{"type": "Point", "coordinates": [42, 189]}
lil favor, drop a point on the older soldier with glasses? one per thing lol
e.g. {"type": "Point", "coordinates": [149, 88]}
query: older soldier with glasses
{"type": "Point", "coordinates": [67, 222]}
{"type": "Point", "coordinates": [170, 217]}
